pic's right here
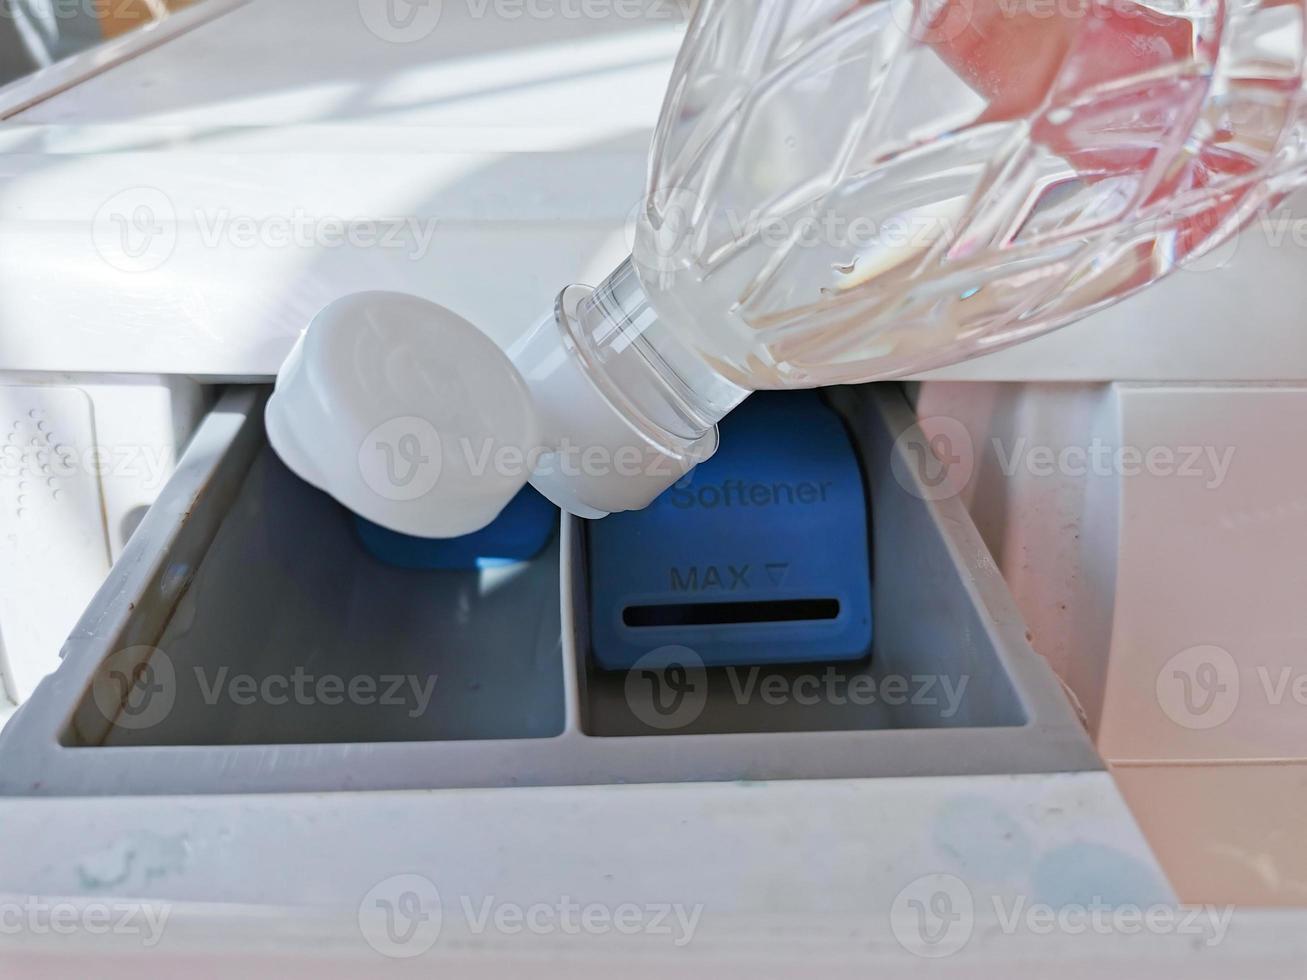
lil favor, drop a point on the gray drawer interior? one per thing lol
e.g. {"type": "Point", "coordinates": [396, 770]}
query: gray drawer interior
{"type": "Point", "coordinates": [285, 591]}
{"type": "Point", "coordinates": [244, 591]}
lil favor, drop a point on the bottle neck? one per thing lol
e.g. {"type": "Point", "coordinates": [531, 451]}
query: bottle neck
{"type": "Point", "coordinates": [640, 363]}
{"type": "Point", "coordinates": [623, 408]}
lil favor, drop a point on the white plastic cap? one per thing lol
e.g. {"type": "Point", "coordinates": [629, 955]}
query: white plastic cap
{"type": "Point", "coordinates": [396, 407]}
{"type": "Point", "coordinates": [411, 417]}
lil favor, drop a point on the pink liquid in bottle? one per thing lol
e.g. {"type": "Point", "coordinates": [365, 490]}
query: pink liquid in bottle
{"type": "Point", "coordinates": [1069, 59]}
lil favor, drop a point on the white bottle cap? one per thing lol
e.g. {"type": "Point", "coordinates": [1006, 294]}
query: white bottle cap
{"type": "Point", "coordinates": [411, 417]}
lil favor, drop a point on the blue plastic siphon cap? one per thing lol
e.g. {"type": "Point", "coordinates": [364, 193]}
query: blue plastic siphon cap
{"type": "Point", "coordinates": [519, 533]}
{"type": "Point", "coordinates": [760, 555]}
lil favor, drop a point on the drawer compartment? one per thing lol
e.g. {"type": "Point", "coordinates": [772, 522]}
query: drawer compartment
{"type": "Point", "coordinates": [246, 642]}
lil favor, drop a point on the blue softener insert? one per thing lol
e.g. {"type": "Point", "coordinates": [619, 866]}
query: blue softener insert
{"type": "Point", "coordinates": [519, 533]}
{"type": "Point", "coordinates": [760, 555]}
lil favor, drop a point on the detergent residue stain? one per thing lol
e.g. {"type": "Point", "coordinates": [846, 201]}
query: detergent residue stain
{"type": "Point", "coordinates": [135, 860]}
{"type": "Point", "coordinates": [980, 837]}
{"type": "Point", "coordinates": [1086, 872]}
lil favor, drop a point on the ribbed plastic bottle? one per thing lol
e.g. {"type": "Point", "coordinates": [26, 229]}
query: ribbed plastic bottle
{"type": "Point", "coordinates": [853, 190]}
{"type": "Point", "coordinates": [848, 191]}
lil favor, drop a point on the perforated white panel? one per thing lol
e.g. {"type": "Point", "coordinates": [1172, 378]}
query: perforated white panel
{"type": "Point", "coordinates": [54, 549]}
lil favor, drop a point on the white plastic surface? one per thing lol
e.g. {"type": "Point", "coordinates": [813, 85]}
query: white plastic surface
{"type": "Point", "coordinates": [1147, 531]}
{"type": "Point", "coordinates": [81, 459]}
{"type": "Point", "coordinates": [483, 164]}
{"type": "Point", "coordinates": [793, 866]}
{"type": "Point", "coordinates": [1153, 536]}
{"type": "Point", "coordinates": [55, 547]}
{"type": "Point", "coordinates": [46, 72]}
{"type": "Point", "coordinates": [1207, 655]}
{"type": "Point", "coordinates": [490, 142]}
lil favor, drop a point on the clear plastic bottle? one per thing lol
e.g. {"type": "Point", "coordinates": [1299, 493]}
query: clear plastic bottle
{"type": "Point", "coordinates": [840, 191]}
{"type": "Point", "coordinates": [843, 190]}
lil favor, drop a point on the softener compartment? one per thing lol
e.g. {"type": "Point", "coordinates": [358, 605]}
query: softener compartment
{"type": "Point", "coordinates": [742, 600]}
{"type": "Point", "coordinates": [760, 555]}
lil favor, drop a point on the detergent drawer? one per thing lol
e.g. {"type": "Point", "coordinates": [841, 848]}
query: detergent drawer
{"type": "Point", "coordinates": [247, 642]}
